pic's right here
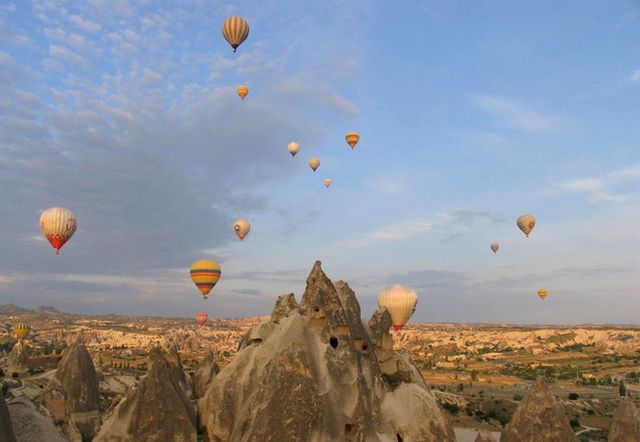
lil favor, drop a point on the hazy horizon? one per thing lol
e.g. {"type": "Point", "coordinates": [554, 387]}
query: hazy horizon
{"type": "Point", "coordinates": [470, 115]}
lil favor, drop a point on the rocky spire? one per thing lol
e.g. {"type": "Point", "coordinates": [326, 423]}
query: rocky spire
{"type": "Point", "coordinates": [6, 430]}
{"type": "Point", "coordinates": [540, 418]}
{"type": "Point", "coordinates": [157, 410]}
{"type": "Point", "coordinates": [19, 355]}
{"type": "Point", "coordinates": [310, 368]}
{"type": "Point", "coordinates": [625, 426]}
{"type": "Point", "coordinates": [207, 370]}
{"type": "Point", "coordinates": [73, 395]}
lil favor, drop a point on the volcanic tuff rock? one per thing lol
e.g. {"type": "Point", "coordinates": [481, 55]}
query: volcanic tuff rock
{"type": "Point", "coordinates": [540, 418]}
{"type": "Point", "coordinates": [311, 373]}
{"type": "Point", "coordinates": [73, 396]}
{"type": "Point", "coordinates": [6, 430]}
{"type": "Point", "coordinates": [19, 354]}
{"type": "Point", "coordinates": [157, 410]}
{"type": "Point", "coordinates": [207, 370]}
{"type": "Point", "coordinates": [484, 436]}
{"type": "Point", "coordinates": [625, 426]}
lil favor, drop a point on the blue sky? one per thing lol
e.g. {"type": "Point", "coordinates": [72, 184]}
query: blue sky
{"type": "Point", "coordinates": [470, 114]}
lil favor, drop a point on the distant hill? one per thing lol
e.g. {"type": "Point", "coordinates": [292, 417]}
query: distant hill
{"type": "Point", "coordinates": [12, 309]}
{"type": "Point", "coordinates": [47, 310]}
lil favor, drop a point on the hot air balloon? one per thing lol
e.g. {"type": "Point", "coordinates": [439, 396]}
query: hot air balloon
{"type": "Point", "coordinates": [293, 148]}
{"type": "Point", "coordinates": [400, 301]}
{"type": "Point", "coordinates": [205, 274]}
{"type": "Point", "coordinates": [352, 139]}
{"type": "Point", "coordinates": [526, 223]}
{"type": "Point", "coordinates": [314, 163]}
{"type": "Point", "coordinates": [22, 330]}
{"type": "Point", "coordinates": [58, 225]}
{"type": "Point", "coordinates": [235, 30]}
{"type": "Point", "coordinates": [327, 182]}
{"type": "Point", "coordinates": [241, 227]}
{"type": "Point", "coordinates": [201, 318]}
{"type": "Point", "coordinates": [495, 246]}
{"type": "Point", "coordinates": [242, 91]}
{"type": "Point", "coordinates": [542, 293]}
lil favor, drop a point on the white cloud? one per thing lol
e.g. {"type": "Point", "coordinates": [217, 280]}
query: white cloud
{"type": "Point", "coordinates": [65, 54]}
{"type": "Point", "coordinates": [599, 188]}
{"type": "Point", "coordinates": [635, 76]}
{"type": "Point", "coordinates": [451, 224]}
{"type": "Point", "coordinates": [518, 116]}
{"type": "Point", "coordinates": [84, 24]}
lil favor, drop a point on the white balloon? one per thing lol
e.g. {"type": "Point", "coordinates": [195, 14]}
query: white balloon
{"type": "Point", "coordinates": [400, 301]}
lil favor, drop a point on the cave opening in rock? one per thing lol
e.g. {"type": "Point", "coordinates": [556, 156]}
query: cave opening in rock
{"type": "Point", "coordinates": [347, 428]}
{"type": "Point", "coordinates": [364, 347]}
{"type": "Point", "coordinates": [317, 309]}
{"type": "Point", "coordinates": [399, 437]}
{"type": "Point", "coordinates": [333, 341]}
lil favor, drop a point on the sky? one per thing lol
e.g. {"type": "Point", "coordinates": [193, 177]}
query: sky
{"type": "Point", "coordinates": [470, 115]}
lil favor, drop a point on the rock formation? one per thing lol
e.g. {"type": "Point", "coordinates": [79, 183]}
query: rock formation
{"type": "Point", "coordinates": [157, 410]}
{"type": "Point", "coordinates": [484, 436]}
{"type": "Point", "coordinates": [540, 418]}
{"type": "Point", "coordinates": [6, 429]}
{"type": "Point", "coordinates": [312, 372]}
{"type": "Point", "coordinates": [19, 355]}
{"type": "Point", "coordinates": [625, 426]}
{"type": "Point", "coordinates": [73, 396]}
{"type": "Point", "coordinates": [207, 370]}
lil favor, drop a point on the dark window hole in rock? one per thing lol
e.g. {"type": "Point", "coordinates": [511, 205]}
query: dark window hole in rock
{"type": "Point", "coordinates": [364, 347]}
{"type": "Point", "coordinates": [333, 341]}
{"type": "Point", "coordinates": [316, 309]}
{"type": "Point", "coordinates": [399, 437]}
{"type": "Point", "coordinates": [347, 428]}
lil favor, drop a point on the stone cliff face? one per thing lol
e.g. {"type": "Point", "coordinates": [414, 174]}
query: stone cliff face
{"type": "Point", "coordinates": [540, 418]}
{"type": "Point", "coordinates": [315, 372]}
{"type": "Point", "coordinates": [625, 426]}
{"type": "Point", "coordinates": [6, 429]}
{"type": "Point", "coordinates": [484, 436]}
{"type": "Point", "coordinates": [157, 410]}
{"type": "Point", "coordinates": [73, 396]}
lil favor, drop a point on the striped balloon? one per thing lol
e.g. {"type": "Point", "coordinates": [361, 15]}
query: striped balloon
{"type": "Point", "coordinates": [22, 330]}
{"type": "Point", "coordinates": [235, 30]}
{"type": "Point", "coordinates": [58, 225]}
{"type": "Point", "coordinates": [205, 275]}
{"type": "Point", "coordinates": [400, 301]}
{"type": "Point", "coordinates": [202, 318]}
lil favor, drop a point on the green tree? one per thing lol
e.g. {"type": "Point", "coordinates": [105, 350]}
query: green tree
{"type": "Point", "coordinates": [622, 389]}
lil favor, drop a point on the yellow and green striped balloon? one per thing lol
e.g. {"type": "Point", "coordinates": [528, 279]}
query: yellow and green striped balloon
{"type": "Point", "coordinates": [22, 330]}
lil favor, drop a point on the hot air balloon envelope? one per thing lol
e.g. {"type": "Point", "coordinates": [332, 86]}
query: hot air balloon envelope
{"type": "Point", "coordinates": [400, 301]}
{"type": "Point", "coordinates": [542, 293]}
{"type": "Point", "coordinates": [58, 225]}
{"type": "Point", "coordinates": [242, 91]}
{"type": "Point", "coordinates": [314, 163]}
{"type": "Point", "coordinates": [235, 30]}
{"type": "Point", "coordinates": [241, 228]}
{"type": "Point", "coordinates": [327, 182]}
{"type": "Point", "coordinates": [22, 330]}
{"type": "Point", "coordinates": [352, 139]}
{"type": "Point", "coordinates": [205, 275]}
{"type": "Point", "coordinates": [495, 246]}
{"type": "Point", "coordinates": [201, 318]}
{"type": "Point", "coordinates": [293, 148]}
{"type": "Point", "coordinates": [526, 223]}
